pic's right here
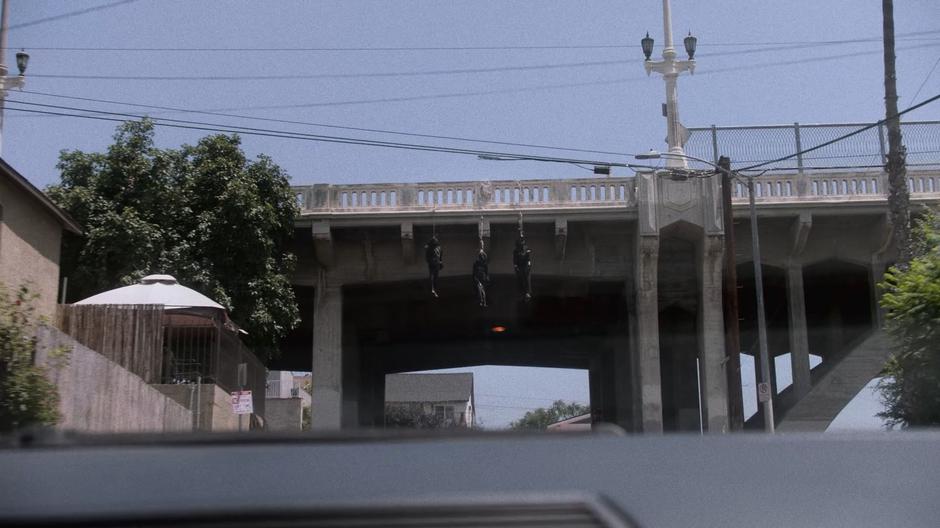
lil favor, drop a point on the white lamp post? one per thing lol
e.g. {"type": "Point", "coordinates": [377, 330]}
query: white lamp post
{"type": "Point", "coordinates": [670, 68]}
{"type": "Point", "coordinates": [9, 82]}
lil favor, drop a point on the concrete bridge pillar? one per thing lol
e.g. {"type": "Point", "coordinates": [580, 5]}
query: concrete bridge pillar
{"type": "Point", "coordinates": [799, 337]}
{"type": "Point", "coordinates": [796, 299]}
{"type": "Point", "coordinates": [327, 397]}
{"type": "Point", "coordinates": [647, 338]}
{"type": "Point", "coordinates": [714, 381]}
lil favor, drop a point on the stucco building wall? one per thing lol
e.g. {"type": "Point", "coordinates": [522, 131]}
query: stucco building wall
{"type": "Point", "coordinates": [30, 242]}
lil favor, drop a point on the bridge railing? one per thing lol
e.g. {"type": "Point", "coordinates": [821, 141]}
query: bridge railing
{"type": "Point", "coordinates": [486, 195]}
{"type": "Point", "coordinates": [823, 186]}
{"type": "Point", "coordinates": [594, 192]}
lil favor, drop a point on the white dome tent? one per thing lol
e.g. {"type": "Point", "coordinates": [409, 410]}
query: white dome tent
{"type": "Point", "coordinates": [155, 289]}
{"type": "Point", "coordinates": [164, 290]}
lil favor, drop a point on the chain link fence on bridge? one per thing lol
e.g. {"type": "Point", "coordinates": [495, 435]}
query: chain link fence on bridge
{"type": "Point", "coordinates": [864, 151]}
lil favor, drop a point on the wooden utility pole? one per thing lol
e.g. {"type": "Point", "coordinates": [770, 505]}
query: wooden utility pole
{"type": "Point", "coordinates": [730, 303]}
{"type": "Point", "coordinates": [899, 197]}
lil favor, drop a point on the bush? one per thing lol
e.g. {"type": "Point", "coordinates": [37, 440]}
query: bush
{"type": "Point", "coordinates": [27, 396]}
{"type": "Point", "coordinates": [911, 387]}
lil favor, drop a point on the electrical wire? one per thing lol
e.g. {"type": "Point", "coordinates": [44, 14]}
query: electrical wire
{"type": "Point", "coordinates": [904, 36]}
{"type": "Point", "coordinates": [331, 75]}
{"type": "Point", "coordinates": [213, 127]}
{"type": "Point", "coordinates": [919, 88]}
{"type": "Point", "coordinates": [69, 14]}
{"type": "Point", "coordinates": [323, 125]}
{"type": "Point", "coordinates": [452, 72]}
{"type": "Point", "coordinates": [523, 89]}
{"type": "Point", "coordinates": [473, 93]}
{"type": "Point", "coordinates": [808, 60]}
{"type": "Point", "coordinates": [497, 156]}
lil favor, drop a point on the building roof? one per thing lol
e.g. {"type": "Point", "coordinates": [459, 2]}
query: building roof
{"type": "Point", "coordinates": [575, 423]}
{"type": "Point", "coordinates": [18, 180]}
{"type": "Point", "coordinates": [155, 289]}
{"type": "Point", "coordinates": [429, 387]}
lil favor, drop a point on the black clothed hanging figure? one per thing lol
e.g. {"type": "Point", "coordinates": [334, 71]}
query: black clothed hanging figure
{"type": "Point", "coordinates": [481, 276]}
{"type": "Point", "coordinates": [522, 264]}
{"type": "Point", "coordinates": [434, 256]}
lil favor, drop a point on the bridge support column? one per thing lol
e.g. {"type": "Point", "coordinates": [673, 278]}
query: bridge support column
{"type": "Point", "coordinates": [327, 397]}
{"type": "Point", "coordinates": [799, 338]}
{"type": "Point", "coordinates": [647, 336]}
{"type": "Point", "coordinates": [714, 380]}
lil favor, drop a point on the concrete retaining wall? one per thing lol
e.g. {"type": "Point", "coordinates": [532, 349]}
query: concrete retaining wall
{"type": "Point", "coordinates": [98, 395]}
{"type": "Point", "coordinates": [215, 405]}
{"type": "Point", "coordinates": [283, 414]}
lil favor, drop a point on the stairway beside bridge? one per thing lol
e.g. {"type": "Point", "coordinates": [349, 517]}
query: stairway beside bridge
{"type": "Point", "coordinates": [838, 386]}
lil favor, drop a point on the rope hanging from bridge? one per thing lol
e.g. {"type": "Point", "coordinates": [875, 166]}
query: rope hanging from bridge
{"type": "Point", "coordinates": [434, 256]}
{"type": "Point", "coordinates": [481, 270]}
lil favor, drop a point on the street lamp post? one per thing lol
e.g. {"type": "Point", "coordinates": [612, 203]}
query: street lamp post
{"type": "Point", "coordinates": [9, 82]}
{"type": "Point", "coordinates": [768, 403]}
{"type": "Point", "coordinates": [670, 68]}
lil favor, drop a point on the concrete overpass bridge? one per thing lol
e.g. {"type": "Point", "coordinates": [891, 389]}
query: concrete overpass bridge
{"type": "Point", "coordinates": [627, 284]}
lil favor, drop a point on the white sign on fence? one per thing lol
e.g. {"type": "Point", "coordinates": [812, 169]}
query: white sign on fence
{"type": "Point", "coordinates": [241, 402]}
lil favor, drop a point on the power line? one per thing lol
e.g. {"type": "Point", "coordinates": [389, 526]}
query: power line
{"type": "Point", "coordinates": [430, 148]}
{"type": "Point", "coordinates": [447, 72]}
{"type": "Point", "coordinates": [807, 60]}
{"type": "Point", "coordinates": [503, 91]}
{"type": "Point", "coordinates": [523, 89]}
{"type": "Point", "coordinates": [905, 36]}
{"type": "Point", "coordinates": [208, 127]}
{"type": "Point", "coordinates": [324, 125]}
{"type": "Point", "coordinates": [842, 137]}
{"type": "Point", "coordinates": [70, 14]}
{"type": "Point", "coordinates": [231, 129]}
{"type": "Point", "coordinates": [507, 396]}
{"type": "Point", "coordinates": [919, 88]}
{"type": "Point", "coordinates": [330, 75]}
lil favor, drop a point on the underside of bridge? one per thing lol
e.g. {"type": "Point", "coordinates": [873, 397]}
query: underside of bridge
{"type": "Point", "coordinates": [839, 313]}
{"type": "Point", "coordinates": [399, 327]}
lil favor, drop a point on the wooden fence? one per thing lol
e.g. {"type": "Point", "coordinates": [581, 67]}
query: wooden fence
{"type": "Point", "coordinates": [131, 336]}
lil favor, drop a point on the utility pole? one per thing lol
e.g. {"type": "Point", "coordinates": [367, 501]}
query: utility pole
{"type": "Point", "coordinates": [899, 198]}
{"type": "Point", "coordinates": [768, 403]}
{"type": "Point", "coordinates": [730, 304]}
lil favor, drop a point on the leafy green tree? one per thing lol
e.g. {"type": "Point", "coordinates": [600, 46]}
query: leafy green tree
{"type": "Point", "coordinates": [218, 222]}
{"type": "Point", "coordinates": [27, 396]}
{"type": "Point", "coordinates": [911, 386]}
{"type": "Point", "coordinates": [539, 419]}
{"type": "Point", "coordinates": [414, 417]}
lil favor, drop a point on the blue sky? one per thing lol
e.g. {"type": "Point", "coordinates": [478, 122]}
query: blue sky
{"type": "Point", "coordinates": [743, 77]}
{"type": "Point", "coordinates": [504, 394]}
{"type": "Point", "coordinates": [758, 63]}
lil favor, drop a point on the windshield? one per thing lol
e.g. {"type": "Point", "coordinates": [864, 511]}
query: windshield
{"type": "Point", "coordinates": [297, 216]}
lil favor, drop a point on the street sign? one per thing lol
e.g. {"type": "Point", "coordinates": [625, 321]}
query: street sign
{"type": "Point", "coordinates": [241, 402]}
{"type": "Point", "coordinates": [763, 392]}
